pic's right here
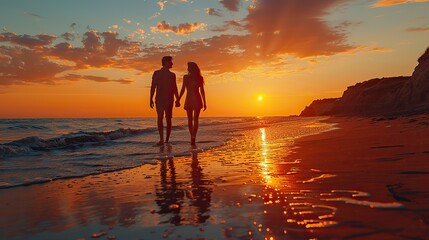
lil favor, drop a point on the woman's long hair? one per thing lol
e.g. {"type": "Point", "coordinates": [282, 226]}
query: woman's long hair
{"type": "Point", "coordinates": [194, 71]}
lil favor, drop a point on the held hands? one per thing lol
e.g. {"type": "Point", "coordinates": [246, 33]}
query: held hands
{"type": "Point", "coordinates": [151, 103]}
{"type": "Point", "coordinates": [177, 103]}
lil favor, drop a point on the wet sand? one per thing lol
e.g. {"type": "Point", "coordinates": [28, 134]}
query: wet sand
{"type": "Point", "coordinates": [368, 179]}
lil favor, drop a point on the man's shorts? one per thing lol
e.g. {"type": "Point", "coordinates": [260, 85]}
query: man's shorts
{"type": "Point", "coordinates": [165, 108]}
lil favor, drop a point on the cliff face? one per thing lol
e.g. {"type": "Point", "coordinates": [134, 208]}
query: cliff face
{"type": "Point", "coordinates": [416, 91]}
{"type": "Point", "coordinates": [370, 97]}
{"type": "Point", "coordinates": [319, 107]}
{"type": "Point", "coordinates": [381, 96]}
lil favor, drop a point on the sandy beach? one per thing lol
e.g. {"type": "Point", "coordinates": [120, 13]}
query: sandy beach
{"type": "Point", "coordinates": [367, 179]}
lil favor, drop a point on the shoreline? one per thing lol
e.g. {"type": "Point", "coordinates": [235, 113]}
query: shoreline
{"type": "Point", "coordinates": [255, 186]}
{"type": "Point", "coordinates": [177, 148]}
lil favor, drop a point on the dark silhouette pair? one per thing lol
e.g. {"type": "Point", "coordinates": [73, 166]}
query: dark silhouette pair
{"type": "Point", "coordinates": [164, 87]}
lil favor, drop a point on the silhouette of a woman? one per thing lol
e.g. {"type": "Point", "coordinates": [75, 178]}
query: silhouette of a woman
{"type": "Point", "coordinates": [195, 100]}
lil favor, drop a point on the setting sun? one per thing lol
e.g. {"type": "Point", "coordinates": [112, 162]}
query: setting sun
{"type": "Point", "coordinates": [259, 98]}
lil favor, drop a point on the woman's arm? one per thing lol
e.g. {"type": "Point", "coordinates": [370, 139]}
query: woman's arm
{"type": "Point", "coordinates": [182, 91]}
{"type": "Point", "coordinates": [203, 95]}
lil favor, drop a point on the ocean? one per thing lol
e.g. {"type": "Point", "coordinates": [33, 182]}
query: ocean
{"type": "Point", "coordinates": [41, 150]}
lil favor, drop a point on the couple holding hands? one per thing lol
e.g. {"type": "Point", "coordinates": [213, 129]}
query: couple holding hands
{"type": "Point", "coordinates": [165, 86]}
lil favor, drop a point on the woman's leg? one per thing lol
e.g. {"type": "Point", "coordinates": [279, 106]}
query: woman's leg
{"type": "Point", "coordinates": [190, 120]}
{"type": "Point", "coordinates": [196, 117]}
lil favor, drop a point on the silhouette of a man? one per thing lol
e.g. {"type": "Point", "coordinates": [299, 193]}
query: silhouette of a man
{"type": "Point", "coordinates": [165, 86]}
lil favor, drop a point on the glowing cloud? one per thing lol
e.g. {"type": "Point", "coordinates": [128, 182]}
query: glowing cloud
{"type": "Point", "coordinates": [76, 77]}
{"type": "Point", "coordinates": [34, 59]}
{"type": "Point", "coordinates": [273, 27]}
{"type": "Point", "coordinates": [181, 29]}
{"type": "Point", "coordinates": [268, 33]}
{"type": "Point", "coordinates": [161, 5]}
{"type": "Point", "coordinates": [387, 3]}
{"type": "Point", "coordinates": [418, 29]}
{"type": "Point", "coordinates": [213, 12]}
{"type": "Point", "coordinates": [22, 65]}
{"type": "Point", "coordinates": [157, 14]}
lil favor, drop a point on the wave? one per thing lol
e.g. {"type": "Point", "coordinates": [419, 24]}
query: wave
{"type": "Point", "coordinates": [31, 144]}
{"type": "Point", "coordinates": [39, 180]}
{"type": "Point", "coordinates": [25, 127]}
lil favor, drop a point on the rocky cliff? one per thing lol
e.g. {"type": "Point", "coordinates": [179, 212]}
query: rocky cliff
{"type": "Point", "coordinates": [319, 107]}
{"type": "Point", "coordinates": [415, 92]}
{"type": "Point", "coordinates": [370, 97]}
{"type": "Point", "coordinates": [380, 96]}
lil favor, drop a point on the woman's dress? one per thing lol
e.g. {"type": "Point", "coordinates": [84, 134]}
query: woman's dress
{"type": "Point", "coordinates": [193, 99]}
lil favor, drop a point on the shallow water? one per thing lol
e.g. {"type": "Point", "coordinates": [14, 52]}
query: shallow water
{"type": "Point", "coordinates": [183, 191]}
{"type": "Point", "coordinates": [40, 150]}
{"type": "Point", "coordinates": [250, 187]}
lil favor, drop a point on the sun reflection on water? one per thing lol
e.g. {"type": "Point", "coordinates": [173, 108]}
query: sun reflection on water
{"type": "Point", "coordinates": [287, 207]}
{"type": "Point", "coordinates": [264, 153]}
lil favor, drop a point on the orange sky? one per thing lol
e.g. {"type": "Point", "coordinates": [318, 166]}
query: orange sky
{"type": "Point", "coordinates": [78, 63]}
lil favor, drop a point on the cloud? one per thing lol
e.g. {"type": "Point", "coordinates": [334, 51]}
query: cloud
{"type": "Point", "coordinates": [388, 3]}
{"type": "Point", "coordinates": [231, 24]}
{"type": "Point", "coordinates": [23, 65]}
{"type": "Point", "coordinates": [33, 15]}
{"type": "Point", "coordinates": [69, 36]}
{"type": "Point", "coordinates": [380, 49]}
{"type": "Point", "coordinates": [77, 77]}
{"type": "Point", "coordinates": [213, 12]}
{"type": "Point", "coordinates": [421, 29]}
{"type": "Point", "coordinates": [91, 41]}
{"type": "Point", "coordinates": [140, 32]}
{"type": "Point", "coordinates": [157, 14]}
{"type": "Point", "coordinates": [181, 29]}
{"type": "Point", "coordinates": [176, 1]}
{"type": "Point", "coordinates": [27, 40]}
{"type": "Point", "coordinates": [231, 5]}
{"type": "Point", "coordinates": [275, 25]}
{"type": "Point", "coordinates": [161, 5]}
{"type": "Point", "coordinates": [271, 33]}
{"type": "Point", "coordinates": [127, 21]}
{"type": "Point", "coordinates": [99, 50]}
{"type": "Point", "coordinates": [35, 59]}
{"type": "Point", "coordinates": [347, 24]}
{"type": "Point", "coordinates": [268, 34]}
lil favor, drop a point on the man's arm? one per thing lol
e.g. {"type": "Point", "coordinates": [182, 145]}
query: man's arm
{"type": "Point", "coordinates": [176, 93]}
{"type": "Point", "coordinates": [152, 90]}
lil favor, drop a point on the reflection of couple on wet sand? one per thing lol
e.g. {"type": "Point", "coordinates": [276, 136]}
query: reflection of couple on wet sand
{"type": "Point", "coordinates": [171, 194]}
{"type": "Point", "coordinates": [164, 84]}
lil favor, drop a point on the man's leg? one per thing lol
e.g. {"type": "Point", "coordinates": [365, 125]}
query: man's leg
{"type": "Point", "coordinates": [168, 129]}
{"type": "Point", "coordinates": [168, 116]}
{"type": "Point", "coordinates": [160, 125]}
